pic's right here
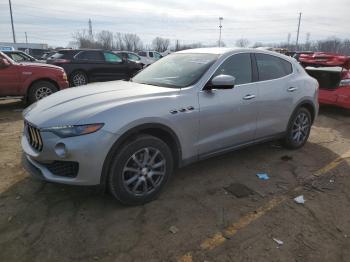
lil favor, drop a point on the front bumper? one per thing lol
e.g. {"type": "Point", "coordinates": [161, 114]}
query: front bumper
{"type": "Point", "coordinates": [89, 151]}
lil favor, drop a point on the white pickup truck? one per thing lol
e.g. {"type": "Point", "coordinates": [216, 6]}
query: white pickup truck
{"type": "Point", "coordinates": [149, 57]}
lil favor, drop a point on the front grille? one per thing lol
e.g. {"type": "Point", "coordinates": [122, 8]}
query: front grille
{"type": "Point", "coordinates": [63, 168]}
{"type": "Point", "coordinates": [34, 137]}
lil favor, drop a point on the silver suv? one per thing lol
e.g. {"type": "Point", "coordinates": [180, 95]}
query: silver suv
{"type": "Point", "coordinates": [190, 105]}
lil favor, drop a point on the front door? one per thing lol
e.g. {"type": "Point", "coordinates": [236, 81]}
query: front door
{"type": "Point", "coordinates": [228, 117]}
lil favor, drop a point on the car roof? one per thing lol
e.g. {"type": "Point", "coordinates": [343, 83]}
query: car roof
{"type": "Point", "coordinates": [233, 50]}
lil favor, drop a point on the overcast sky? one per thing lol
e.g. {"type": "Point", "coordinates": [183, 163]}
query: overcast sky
{"type": "Point", "coordinates": [54, 21]}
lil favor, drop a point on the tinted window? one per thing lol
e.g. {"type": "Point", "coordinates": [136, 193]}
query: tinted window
{"type": "Point", "coordinates": [142, 53]}
{"type": "Point", "coordinates": [133, 57]}
{"type": "Point", "coordinates": [239, 66]}
{"type": "Point", "coordinates": [109, 57]}
{"type": "Point", "coordinates": [150, 54]}
{"type": "Point", "coordinates": [272, 67]}
{"type": "Point", "coordinates": [90, 55]}
{"type": "Point", "coordinates": [157, 55]}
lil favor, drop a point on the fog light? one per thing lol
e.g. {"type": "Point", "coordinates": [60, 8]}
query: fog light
{"type": "Point", "coordinates": [60, 150]}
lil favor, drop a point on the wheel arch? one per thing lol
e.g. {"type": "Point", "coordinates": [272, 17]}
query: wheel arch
{"type": "Point", "coordinates": [160, 131]}
{"type": "Point", "coordinates": [30, 86]}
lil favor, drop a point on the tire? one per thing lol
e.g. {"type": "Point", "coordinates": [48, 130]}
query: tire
{"type": "Point", "coordinates": [78, 78]}
{"type": "Point", "coordinates": [134, 178]}
{"type": "Point", "coordinates": [40, 90]}
{"type": "Point", "coordinates": [299, 128]}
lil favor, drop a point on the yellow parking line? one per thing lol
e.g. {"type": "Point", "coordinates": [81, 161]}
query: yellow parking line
{"type": "Point", "coordinates": [220, 237]}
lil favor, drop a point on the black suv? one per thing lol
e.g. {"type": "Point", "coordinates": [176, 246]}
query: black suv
{"type": "Point", "coordinates": [84, 66]}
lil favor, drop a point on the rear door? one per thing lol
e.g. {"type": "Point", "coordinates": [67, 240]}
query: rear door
{"type": "Point", "coordinates": [277, 90]}
{"type": "Point", "coordinates": [91, 62]}
{"type": "Point", "coordinates": [228, 116]}
{"type": "Point", "coordinates": [9, 80]}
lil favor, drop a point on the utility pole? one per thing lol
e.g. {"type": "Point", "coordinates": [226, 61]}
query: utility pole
{"type": "Point", "coordinates": [297, 42]}
{"type": "Point", "coordinates": [26, 38]}
{"type": "Point", "coordinates": [90, 28]}
{"type": "Point", "coordinates": [220, 26]}
{"type": "Point", "coordinates": [13, 28]}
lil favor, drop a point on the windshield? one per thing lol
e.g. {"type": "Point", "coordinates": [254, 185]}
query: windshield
{"type": "Point", "coordinates": [176, 70]}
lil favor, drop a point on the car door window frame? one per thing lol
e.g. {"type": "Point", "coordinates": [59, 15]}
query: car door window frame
{"type": "Point", "coordinates": [253, 68]}
{"type": "Point", "coordinates": [257, 68]}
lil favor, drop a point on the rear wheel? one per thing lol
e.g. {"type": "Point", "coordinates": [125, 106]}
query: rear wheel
{"type": "Point", "coordinates": [140, 170]}
{"type": "Point", "coordinates": [39, 90]}
{"type": "Point", "coordinates": [299, 129]}
{"type": "Point", "coordinates": [78, 78]}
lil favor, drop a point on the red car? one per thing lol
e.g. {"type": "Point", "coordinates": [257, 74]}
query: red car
{"type": "Point", "coordinates": [30, 80]}
{"type": "Point", "coordinates": [333, 74]}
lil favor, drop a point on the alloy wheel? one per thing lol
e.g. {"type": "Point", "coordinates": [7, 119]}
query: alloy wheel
{"type": "Point", "coordinates": [301, 127]}
{"type": "Point", "coordinates": [42, 92]}
{"type": "Point", "coordinates": [144, 171]}
{"type": "Point", "coordinates": [79, 79]}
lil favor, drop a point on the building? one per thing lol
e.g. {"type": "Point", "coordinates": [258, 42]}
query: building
{"type": "Point", "coordinates": [34, 49]}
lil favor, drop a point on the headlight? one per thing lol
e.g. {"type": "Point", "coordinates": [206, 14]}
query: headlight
{"type": "Point", "coordinates": [78, 130]}
{"type": "Point", "coordinates": [345, 82]}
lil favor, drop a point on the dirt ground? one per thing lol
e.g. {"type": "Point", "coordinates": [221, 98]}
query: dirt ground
{"type": "Point", "coordinates": [50, 222]}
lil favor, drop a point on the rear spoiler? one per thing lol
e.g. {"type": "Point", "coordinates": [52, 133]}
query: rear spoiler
{"type": "Point", "coordinates": [319, 59]}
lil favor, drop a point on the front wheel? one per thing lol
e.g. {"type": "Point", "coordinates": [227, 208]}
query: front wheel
{"type": "Point", "coordinates": [140, 170]}
{"type": "Point", "coordinates": [39, 90]}
{"type": "Point", "coordinates": [298, 129]}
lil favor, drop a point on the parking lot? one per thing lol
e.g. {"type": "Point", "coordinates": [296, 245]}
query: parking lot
{"type": "Point", "coordinates": [198, 217]}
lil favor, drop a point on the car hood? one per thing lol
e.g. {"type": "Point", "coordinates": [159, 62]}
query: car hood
{"type": "Point", "coordinates": [74, 105]}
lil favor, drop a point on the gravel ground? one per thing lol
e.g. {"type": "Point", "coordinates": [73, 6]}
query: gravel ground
{"type": "Point", "coordinates": [197, 217]}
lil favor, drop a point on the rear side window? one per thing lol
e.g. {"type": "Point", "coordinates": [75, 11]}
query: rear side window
{"type": "Point", "coordinates": [272, 67]}
{"type": "Point", "coordinates": [150, 54]}
{"type": "Point", "coordinates": [109, 57]}
{"type": "Point", "coordinates": [238, 66]}
{"type": "Point", "coordinates": [90, 56]}
{"type": "Point", "coordinates": [141, 53]}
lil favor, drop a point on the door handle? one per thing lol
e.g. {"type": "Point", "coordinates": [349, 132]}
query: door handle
{"type": "Point", "coordinates": [292, 89]}
{"type": "Point", "coordinates": [248, 97]}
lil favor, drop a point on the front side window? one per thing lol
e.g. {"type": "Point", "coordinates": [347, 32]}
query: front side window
{"type": "Point", "coordinates": [109, 57]}
{"type": "Point", "coordinates": [238, 66]}
{"type": "Point", "coordinates": [176, 70]}
{"type": "Point", "coordinates": [141, 53]}
{"type": "Point", "coordinates": [272, 67]}
{"type": "Point", "coordinates": [90, 56]}
{"type": "Point", "coordinates": [157, 55]}
{"type": "Point", "coordinates": [133, 57]}
{"type": "Point", "coordinates": [17, 57]}
{"type": "Point", "coordinates": [150, 54]}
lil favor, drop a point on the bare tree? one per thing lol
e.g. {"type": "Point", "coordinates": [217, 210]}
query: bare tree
{"type": "Point", "coordinates": [160, 44]}
{"type": "Point", "coordinates": [242, 42]}
{"type": "Point", "coordinates": [105, 39]}
{"type": "Point", "coordinates": [83, 40]}
{"type": "Point", "coordinates": [132, 42]}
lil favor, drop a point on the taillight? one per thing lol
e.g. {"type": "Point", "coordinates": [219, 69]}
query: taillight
{"type": "Point", "coordinates": [61, 61]}
{"type": "Point", "coordinates": [344, 82]}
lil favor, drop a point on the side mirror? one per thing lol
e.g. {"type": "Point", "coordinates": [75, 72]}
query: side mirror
{"type": "Point", "coordinates": [4, 63]}
{"type": "Point", "coordinates": [221, 82]}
